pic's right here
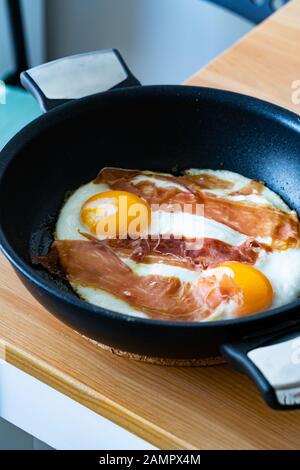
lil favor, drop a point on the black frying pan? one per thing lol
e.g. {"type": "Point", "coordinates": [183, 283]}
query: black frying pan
{"type": "Point", "coordinates": [162, 128]}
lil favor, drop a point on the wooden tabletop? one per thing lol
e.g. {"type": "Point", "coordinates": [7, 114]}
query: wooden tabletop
{"type": "Point", "coordinates": [173, 408]}
{"type": "Point", "coordinates": [265, 63]}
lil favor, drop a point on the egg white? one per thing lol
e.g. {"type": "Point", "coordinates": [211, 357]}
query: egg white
{"type": "Point", "coordinates": [282, 268]}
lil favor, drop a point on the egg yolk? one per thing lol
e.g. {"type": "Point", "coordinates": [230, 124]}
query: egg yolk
{"type": "Point", "coordinates": [257, 291]}
{"type": "Point", "coordinates": [116, 214]}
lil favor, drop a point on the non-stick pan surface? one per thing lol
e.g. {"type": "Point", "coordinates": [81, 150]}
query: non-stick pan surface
{"type": "Point", "coordinates": [161, 128]}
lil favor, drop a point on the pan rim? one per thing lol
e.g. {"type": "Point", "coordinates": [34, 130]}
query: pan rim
{"type": "Point", "coordinates": [277, 113]}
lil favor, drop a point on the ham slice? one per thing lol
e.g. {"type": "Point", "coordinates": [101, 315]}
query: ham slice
{"type": "Point", "coordinates": [94, 264]}
{"type": "Point", "coordinates": [251, 219]}
{"type": "Point", "coordinates": [189, 254]}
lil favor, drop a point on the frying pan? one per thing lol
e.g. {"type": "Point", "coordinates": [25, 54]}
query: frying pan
{"type": "Point", "coordinates": [161, 128]}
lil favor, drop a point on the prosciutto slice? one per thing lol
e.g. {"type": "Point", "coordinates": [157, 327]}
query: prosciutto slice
{"type": "Point", "coordinates": [190, 254]}
{"type": "Point", "coordinates": [251, 219]}
{"type": "Point", "coordinates": [94, 264]}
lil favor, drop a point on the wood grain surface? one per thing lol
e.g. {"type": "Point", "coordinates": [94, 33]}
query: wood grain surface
{"type": "Point", "coordinates": [172, 407]}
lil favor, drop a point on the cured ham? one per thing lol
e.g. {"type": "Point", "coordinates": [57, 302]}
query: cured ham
{"type": "Point", "coordinates": [251, 219]}
{"type": "Point", "coordinates": [94, 264]}
{"type": "Point", "coordinates": [190, 254]}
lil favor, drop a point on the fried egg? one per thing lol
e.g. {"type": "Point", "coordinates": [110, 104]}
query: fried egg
{"type": "Point", "coordinates": [273, 280]}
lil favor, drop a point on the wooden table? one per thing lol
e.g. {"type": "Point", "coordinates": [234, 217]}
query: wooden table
{"type": "Point", "coordinates": [181, 408]}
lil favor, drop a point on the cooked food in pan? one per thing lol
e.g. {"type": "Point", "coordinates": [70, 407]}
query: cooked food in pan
{"type": "Point", "coordinates": [208, 245]}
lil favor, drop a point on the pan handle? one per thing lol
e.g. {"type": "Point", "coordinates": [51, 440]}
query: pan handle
{"type": "Point", "coordinates": [74, 77]}
{"type": "Point", "coordinates": [272, 360]}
